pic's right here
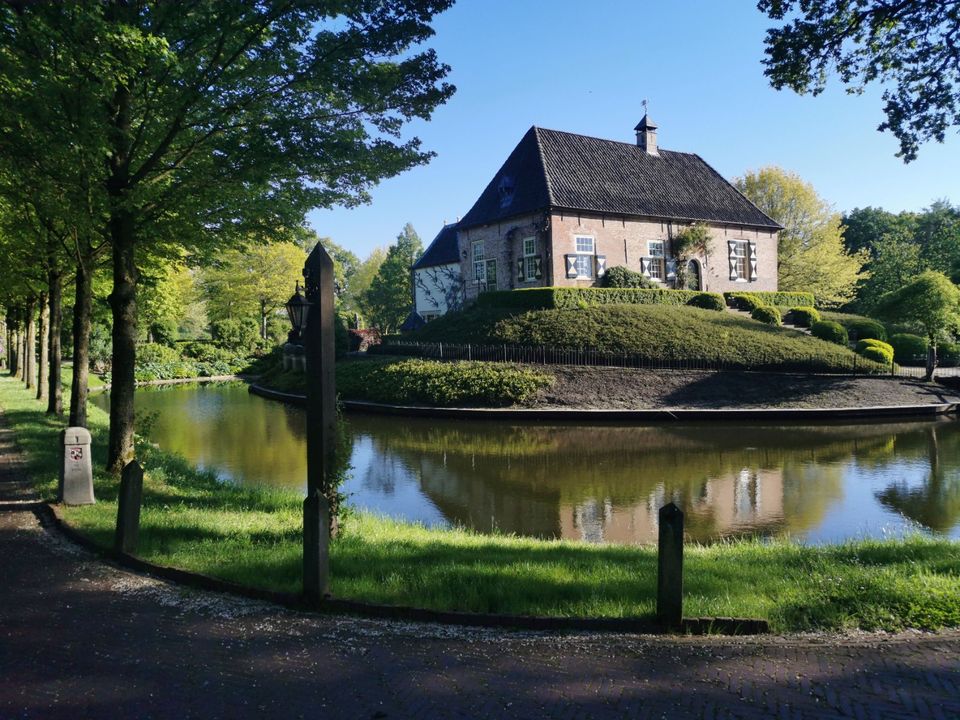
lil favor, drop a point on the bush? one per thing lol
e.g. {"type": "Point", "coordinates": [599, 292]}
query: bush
{"type": "Point", "coordinates": [909, 349]}
{"type": "Point", "coordinates": [151, 353]}
{"type": "Point", "coordinates": [876, 350]}
{"type": "Point", "coordinates": [767, 314]}
{"type": "Point", "coordinates": [830, 331]}
{"type": "Point", "coordinates": [438, 383]}
{"type": "Point", "coordinates": [865, 328]}
{"type": "Point", "coordinates": [708, 301]}
{"type": "Point", "coordinates": [239, 335]}
{"type": "Point", "coordinates": [744, 301]}
{"type": "Point", "coordinates": [621, 277]}
{"type": "Point", "coordinates": [206, 352]}
{"type": "Point", "coordinates": [555, 298]}
{"type": "Point", "coordinates": [164, 332]}
{"type": "Point", "coordinates": [778, 299]}
{"type": "Point", "coordinates": [804, 316]}
{"type": "Point", "coordinates": [948, 354]}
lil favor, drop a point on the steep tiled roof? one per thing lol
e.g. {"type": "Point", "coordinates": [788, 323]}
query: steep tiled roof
{"type": "Point", "coordinates": [575, 172]}
{"type": "Point", "coordinates": [442, 251]}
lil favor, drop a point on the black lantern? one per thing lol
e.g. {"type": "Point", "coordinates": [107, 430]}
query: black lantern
{"type": "Point", "coordinates": [297, 308]}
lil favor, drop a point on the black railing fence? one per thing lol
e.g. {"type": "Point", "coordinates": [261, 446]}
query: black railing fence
{"type": "Point", "coordinates": [548, 355]}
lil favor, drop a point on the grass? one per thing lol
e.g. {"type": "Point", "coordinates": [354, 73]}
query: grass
{"type": "Point", "coordinates": [253, 537]}
{"type": "Point", "coordinates": [654, 332]}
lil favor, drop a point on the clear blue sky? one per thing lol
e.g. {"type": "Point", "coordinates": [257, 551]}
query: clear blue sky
{"type": "Point", "coordinates": [585, 67]}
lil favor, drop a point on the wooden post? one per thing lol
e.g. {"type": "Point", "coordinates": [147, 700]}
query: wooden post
{"type": "Point", "coordinates": [128, 508]}
{"type": "Point", "coordinates": [321, 422]}
{"type": "Point", "coordinates": [670, 567]}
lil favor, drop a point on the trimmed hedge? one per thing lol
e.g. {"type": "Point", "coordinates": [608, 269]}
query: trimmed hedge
{"type": "Point", "coordinates": [557, 298]}
{"type": "Point", "coordinates": [780, 299]}
{"type": "Point", "coordinates": [440, 384]}
{"type": "Point", "coordinates": [830, 331]}
{"type": "Point", "coordinates": [909, 349]}
{"type": "Point", "coordinates": [767, 314]}
{"type": "Point", "coordinates": [864, 329]}
{"type": "Point", "coordinates": [804, 316]}
{"type": "Point", "coordinates": [708, 301]}
{"type": "Point", "coordinates": [876, 350]}
{"type": "Point", "coordinates": [621, 277]}
{"type": "Point", "coordinates": [743, 301]}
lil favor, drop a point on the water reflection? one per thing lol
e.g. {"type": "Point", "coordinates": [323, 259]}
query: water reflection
{"type": "Point", "coordinates": [595, 483]}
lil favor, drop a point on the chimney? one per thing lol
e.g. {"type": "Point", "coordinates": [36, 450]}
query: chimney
{"type": "Point", "coordinates": [647, 135]}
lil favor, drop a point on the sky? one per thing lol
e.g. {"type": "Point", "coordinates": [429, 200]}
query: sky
{"type": "Point", "coordinates": [586, 67]}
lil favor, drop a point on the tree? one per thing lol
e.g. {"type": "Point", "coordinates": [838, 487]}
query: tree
{"type": "Point", "coordinates": [938, 235]}
{"type": "Point", "coordinates": [863, 228]}
{"type": "Point", "coordinates": [811, 255]}
{"type": "Point", "coordinates": [911, 46]}
{"type": "Point", "coordinates": [218, 120]}
{"type": "Point", "coordinates": [345, 262]}
{"type": "Point", "coordinates": [390, 296]}
{"type": "Point", "coordinates": [897, 261]}
{"type": "Point", "coordinates": [352, 301]}
{"type": "Point", "coordinates": [930, 301]}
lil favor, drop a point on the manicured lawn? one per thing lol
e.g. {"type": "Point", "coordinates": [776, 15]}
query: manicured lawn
{"type": "Point", "coordinates": [654, 332]}
{"type": "Point", "coordinates": [192, 521]}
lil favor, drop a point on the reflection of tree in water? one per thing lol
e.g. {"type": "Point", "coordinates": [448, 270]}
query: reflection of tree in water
{"type": "Point", "coordinates": [935, 501]}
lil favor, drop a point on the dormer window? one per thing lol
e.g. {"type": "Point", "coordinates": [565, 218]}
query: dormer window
{"type": "Point", "coordinates": [506, 189]}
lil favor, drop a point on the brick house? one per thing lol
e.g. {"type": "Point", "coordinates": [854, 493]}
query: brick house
{"type": "Point", "coordinates": [563, 208]}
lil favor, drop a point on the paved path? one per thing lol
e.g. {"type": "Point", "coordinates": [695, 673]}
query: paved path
{"type": "Point", "coordinates": [80, 638]}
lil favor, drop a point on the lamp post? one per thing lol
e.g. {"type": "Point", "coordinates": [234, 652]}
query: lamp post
{"type": "Point", "coordinates": [298, 309]}
{"type": "Point", "coordinates": [318, 340]}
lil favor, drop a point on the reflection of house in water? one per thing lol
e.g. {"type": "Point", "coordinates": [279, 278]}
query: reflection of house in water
{"type": "Point", "coordinates": [749, 501]}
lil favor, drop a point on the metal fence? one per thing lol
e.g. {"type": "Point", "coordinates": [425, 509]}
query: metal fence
{"type": "Point", "coordinates": [548, 355]}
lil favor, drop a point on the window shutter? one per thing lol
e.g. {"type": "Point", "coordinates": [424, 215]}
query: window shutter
{"type": "Point", "coordinates": [753, 261]}
{"type": "Point", "coordinates": [537, 269]}
{"type": "Point", "coordinates": [601, 265]}
{"type": "Point", "coordinates": [645, 266]}
{"type": "Point", "coordinates": [571, 265]}
{"type": "Point", "coordinates": [671, 269]}
{"type": "Point", "coordinates": [732, 258]}
{"type": "Point", "coordinates": [520, 276]}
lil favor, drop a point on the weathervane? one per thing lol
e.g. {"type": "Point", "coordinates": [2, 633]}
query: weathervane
{"type": "Point", "coordinates": [644, 103]}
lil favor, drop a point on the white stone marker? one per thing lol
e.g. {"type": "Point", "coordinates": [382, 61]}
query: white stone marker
{"type": "Point", "coordinates": [76, 470]}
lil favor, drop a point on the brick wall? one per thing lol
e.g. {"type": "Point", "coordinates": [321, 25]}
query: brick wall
{"type": "Point", "coordinates": [502, 242]}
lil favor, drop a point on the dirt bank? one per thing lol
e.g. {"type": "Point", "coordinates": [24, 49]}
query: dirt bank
{"type": "Point", "coordinates": [619, 388]}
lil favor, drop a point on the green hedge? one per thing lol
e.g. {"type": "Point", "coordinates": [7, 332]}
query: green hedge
{"type": "Point", "coordinates": [830, 331]}
{"type": "Point", "coordinates": [876, 350]}
{"type": "Point", "coordinates": [767, 314]}
{"type": "Point", "coordinates": [804, 316]}
{"type": "Point", "coordinates": [438, 383]}
{"type": "Point", "coordinates": [556, 298]}
{"type": "Point", "coordinates": [780, 299]}
{"type": "Point", "coordinates": [708, 301]}
{"type": "Point", "coordinates": [909, 349]}
{"type": "Point", "coordinates": [865, 328]}
{"type": "Point", "coordinates": [745, 301]}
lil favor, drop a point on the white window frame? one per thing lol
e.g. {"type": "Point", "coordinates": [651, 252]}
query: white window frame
{"type": "Point", "coordinates": [530, 255]}
{"type": "Point", "coordinates": [479, 262]}
{"type": "Point", "coordinates": [586, 253]}
{"type": "Point", "coordinates": [741, 253]}
{"type": "Point", "coordinates": [656, 269]}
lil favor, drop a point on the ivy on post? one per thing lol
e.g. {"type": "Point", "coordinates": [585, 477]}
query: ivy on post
{"type": "Point", "coordinates": [318, 343]}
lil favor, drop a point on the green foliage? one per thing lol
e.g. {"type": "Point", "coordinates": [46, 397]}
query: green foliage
{"type": "Point", "coordinates": [863, 228]}
{"type": "Point", "coordinates": [948, 354]}
{"type": "Point", "coordinates": [389, 299]}
{"type": "Point", "coordinates": [811, 241]}
{"type": "Point", "coordinates": [563, 297]}
{"type": "Point", "coordinates": [621, 277]}
{"type": "Point", "coordinates": [864, 328]}
{"type": "Point", "coordinates": [708, 301]}
{"type": "Point", "coordinates": [236, 335]}
{"type": "Point", "coordinates": [831, 332]}
{"type": "Point", "coordinates": [748, 302]}
{"type": "Point", "coordinates": [804, 316]}
{"type": "Point", "coordinates": [692, 241]}
{"type": "Point", "coordinates": [439, 384]}
{"type": "Point", "coordinates": [164, 332]}
{"type": "Point", "coordinates": [157, 353]}
{"type": "Point", "coordinates": [907, 47]}
{"type": "Point", "coordinates": [909, 349]}
{"type": "Point", "coordinates": [767, 314]}
{"type": "Point", "coordinates": [101, 348]}
{"type": "Point", "coordinates": [876, 350]}
{"type": "Point", "coordinates": [930, 300]}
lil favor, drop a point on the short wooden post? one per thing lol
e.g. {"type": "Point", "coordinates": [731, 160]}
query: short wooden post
{"type": "Point", "coordinates": [321, 422]}
{"type": "Point", "coordinates": [128, 508]}
{"type": "Point", "coordinates": [670, 567]}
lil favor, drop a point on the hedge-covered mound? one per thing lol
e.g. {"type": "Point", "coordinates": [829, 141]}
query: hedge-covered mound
{"type": "Point", "coordinates": [551, 298]}
{"type": "Point", "coordinates": [767, 314]}
{"type": "Point", "coordinates": [830, 331]}
{"type": "Point", "coordinates": [651, 332]}
{"type": "Point", "coordinates": [440, 384]}
{"type": "Point", "coordinates": [804, 316]}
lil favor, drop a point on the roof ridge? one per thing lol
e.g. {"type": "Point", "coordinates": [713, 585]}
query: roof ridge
{"type": "Point", "coordinates": [606, 140]}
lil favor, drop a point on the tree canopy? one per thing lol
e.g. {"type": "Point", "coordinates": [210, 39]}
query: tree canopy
{"type": "Point", "coordinates": [910, 46]}
{"type": "Point", "coordinates": [389, 298]}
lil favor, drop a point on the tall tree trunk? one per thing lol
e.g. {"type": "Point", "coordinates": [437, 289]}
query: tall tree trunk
{"type": "Point", "coordinates": [30, 345]}
{"type": "Point", "coordinates": [931, 359]}
{"type": "Point", "coordinates": [43, 372]}
{"type": "Point", "coordinates": [14, 341]}
{"type": "Point", "coordinates": [83, 301]}
{"type": "Point", "coordinates": [263, 319]}
{"type": "Point", "coordinates": [55, 313]}
{"type": "Point", "coordinates": [123, 302]}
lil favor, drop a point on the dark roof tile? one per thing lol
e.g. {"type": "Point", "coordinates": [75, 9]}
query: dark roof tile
{"type": "Point", "coordinates": [442, 251]}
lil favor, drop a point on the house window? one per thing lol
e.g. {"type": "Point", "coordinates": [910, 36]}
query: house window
{"type": "Point", "coordinates": [584, 258]}
{"type": "Point", "coordinates": [479, 266]}
{"type": "Point", "coordinates": [656, 267]}
{"type": "Point", "coordinates": [740, 257]}
{"type": "Point", "coordinates": [530, 259]}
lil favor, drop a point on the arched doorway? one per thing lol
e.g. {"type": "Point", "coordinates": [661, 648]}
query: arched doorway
{"type": "Point", "coordinates": [694, 279]}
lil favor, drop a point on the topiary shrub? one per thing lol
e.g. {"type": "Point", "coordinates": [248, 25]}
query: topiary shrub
{"type": "Point", "coordinates": [804, 316]}
{"type": "Point", "coordinates": [862, 329]}
{"type": "Point", "coordinates": [909, 349]}
{"type": "Point", "coordinates": [744, 301]}
{"type": "Point", "coordinates": [830, 331]}
{"type": "Point", "coordinates": [708, 301]}
{"type": "Point", "coordinates": [164, 332]}
{"type": "Point", "coordinates": [767, 314]}
{"type": "Point", "coordinates": [621, 277]}
{"type": "Point", "coordinates": [876, 350]}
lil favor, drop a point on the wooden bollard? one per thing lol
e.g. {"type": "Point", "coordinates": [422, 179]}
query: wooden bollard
{"type": "Point", "coordinates": [316, 547]}
{"type": "Point", "coordinates": [670, 567]}
{"type": "Point", "coordinates": [128, 508]}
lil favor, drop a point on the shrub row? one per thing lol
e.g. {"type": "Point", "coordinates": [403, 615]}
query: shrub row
{"type": "Point", "coordinates": [766, 297]}
{"type": "Point", "coordinates": [555, 298]}
{"type": "Point", "coordinates": [437, 383]}
{"type": "Point", "coordinates": [911, 349]}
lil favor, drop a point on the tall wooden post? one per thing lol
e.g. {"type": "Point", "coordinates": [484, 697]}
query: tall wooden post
{"type": "Point", "coordinates": [128, 508]}
{"type": "Point", "coordinates": [670, 567]}
{"type": "Point", "coordinates": [318, 345]}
